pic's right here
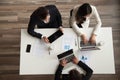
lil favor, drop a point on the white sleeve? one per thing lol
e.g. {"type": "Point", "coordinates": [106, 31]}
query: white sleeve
{"type": "Point", "coordinates": [98, 21]}
{"type": "Point", "coordinates": [73, 23]}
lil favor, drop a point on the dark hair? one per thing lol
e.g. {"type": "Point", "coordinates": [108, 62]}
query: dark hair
{"type": "Point", "coordinates": [83, 10]}
{"type": "Point", "coordinates": [40, 13]}
{"type": "Point", "coordinates": [75, 75]}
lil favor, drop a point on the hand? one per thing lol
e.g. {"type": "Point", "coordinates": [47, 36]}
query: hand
{"type": "Point", "coordinates": [63, 62]}
{"type": "Point", "coordinates": [45, 39]}
{"type": "Point", "coordinates": [84, 39]}
{"type": "Point", "coordinates": [61, 28]}
{"type": "Point", "coordinates": [75, 60]}
{"type": "Point", "coordinates": [93, 39]}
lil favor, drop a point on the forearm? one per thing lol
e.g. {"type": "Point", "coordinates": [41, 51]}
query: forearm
{"type": "Point", "coordinates": [58, 72]}
{"type": "Point", "coordinates": [97, 28]}
{"type": "Point", "coordinates": [34, 34]}
{"type": "Point", "coordinates": [76, 29]}
{"type": "Point", "coordinates": [86, 68]}
{"type": "Point", "coordinates": [31, 27]}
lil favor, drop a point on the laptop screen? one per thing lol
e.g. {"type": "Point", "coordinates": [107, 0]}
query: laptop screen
{"type": "Point", "coordinates": [65, 54]}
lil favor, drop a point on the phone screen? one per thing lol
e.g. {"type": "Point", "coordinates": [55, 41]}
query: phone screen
{"type": "Point", "coordinates": [28, 48]}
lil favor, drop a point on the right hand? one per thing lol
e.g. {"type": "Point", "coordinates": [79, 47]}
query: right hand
{"type": "Point", "coordinates": [75, 60]}
{"type": "Point", "coordinates": [61, 28]}
{"type": "Point", "coordinates": [45, 39]}
{"type": "Point", "coordinates": [63, 62]}
{"type": "Point", "coordinates": [84, 39]}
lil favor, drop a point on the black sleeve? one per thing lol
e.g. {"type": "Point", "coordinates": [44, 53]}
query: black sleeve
{"type": "Point", "coordinates": [58, 72]}
{"type": "Point", "coordinates": [31, 27]}
{"type": "Point", "coordinates": [55, 12]}
{"type": "Point", "coordinates": [58, 15]}
{"type": "Point", "coordinates": [88, 70]}
{"type": "Point", "coordinates": [59, 19]}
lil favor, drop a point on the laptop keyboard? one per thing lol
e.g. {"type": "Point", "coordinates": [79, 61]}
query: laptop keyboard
{"type": "Point", "coordinates": [69, 59]}
{"type": "Point", "coordinates": [88, 44]}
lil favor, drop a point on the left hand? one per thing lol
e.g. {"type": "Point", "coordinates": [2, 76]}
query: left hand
{"type": "Point", "coordinates": [93, 38]}
{"type": "Point", "coordinates": [63, 62]}
{"type": "Point", "coordinates": [61, 28]}
{"type": "Point", "coordinates": [45, 39]}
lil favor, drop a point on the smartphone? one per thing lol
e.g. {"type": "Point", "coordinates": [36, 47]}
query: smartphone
{"type": "Point", "coordinates": [28, 48]}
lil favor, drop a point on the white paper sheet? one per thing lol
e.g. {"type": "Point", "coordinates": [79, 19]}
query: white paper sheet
{"type": "Point", "coordinates": [85, 56]}
{"type": "Point", "coordinates": [40, 48]}
{"type": "Point", "coordinates": [68, 42]}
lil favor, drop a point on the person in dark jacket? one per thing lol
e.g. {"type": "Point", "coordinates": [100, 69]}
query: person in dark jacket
{"type": "Point", "coordinates": [44, 17]}
{"type": "Point", "coordinates": [73, 74]}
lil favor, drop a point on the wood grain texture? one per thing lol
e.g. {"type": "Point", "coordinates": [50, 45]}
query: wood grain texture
{"type": "Point", "coordinates": [15, 14]}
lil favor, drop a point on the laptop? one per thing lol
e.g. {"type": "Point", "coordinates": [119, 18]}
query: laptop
{"type": "Point", "coordinates": [89, 46]}
{"type": "Point", "coordinates": [55, 36]}
{"type": "Point", "coordinates": [68, 55]}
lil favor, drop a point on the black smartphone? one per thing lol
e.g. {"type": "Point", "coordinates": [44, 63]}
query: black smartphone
{"type": "Point", "coordinates": [28, 48]}
{"type": "Point", "coordinates": [55, 36]}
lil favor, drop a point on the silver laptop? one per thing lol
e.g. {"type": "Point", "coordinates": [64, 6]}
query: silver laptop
{"type": "Point", "coordinates": [68, 55]}
{"type": "Point", "coordinates": [87, 47]}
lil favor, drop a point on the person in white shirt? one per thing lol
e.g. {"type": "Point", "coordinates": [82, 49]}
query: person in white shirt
{"type": "Point", "coordinates": [80, 18]}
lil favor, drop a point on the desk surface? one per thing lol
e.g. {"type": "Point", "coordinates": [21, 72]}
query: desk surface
{"type": "Point", "coordinates": [40, 62]}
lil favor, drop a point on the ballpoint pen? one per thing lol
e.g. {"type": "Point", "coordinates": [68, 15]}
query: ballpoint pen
{"type": "Point", "coordinates": [75, 42]}
{"type": "Point", "coordinates": [49, 48]}
{"type": "Point", "coordinates": [49, 52]}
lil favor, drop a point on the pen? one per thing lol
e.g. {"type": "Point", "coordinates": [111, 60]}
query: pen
{"type": "Point", "coordinates": [49, 52]}
{"type": "Point", "coordinates": [75, 42]}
